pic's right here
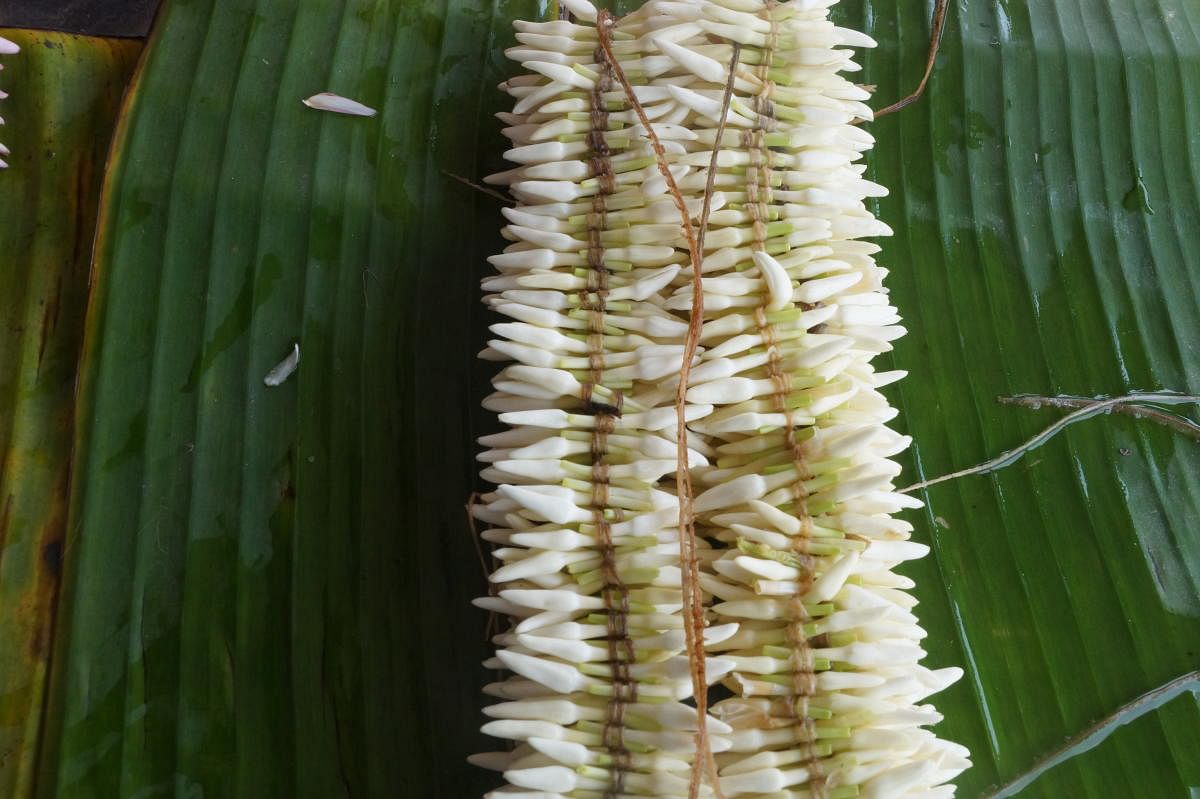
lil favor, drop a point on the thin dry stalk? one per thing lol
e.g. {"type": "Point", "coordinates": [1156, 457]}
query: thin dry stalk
{"type": "Point", "coordinates": [935, 43]}
{"type": "Point", "coordinates": [1087, 410]}
{"type": "Point", "coordinates": [493, 620]}
{"type": "Point", "coordinates": [1180, 424]}
{"type": "Point", "coordinates": [489, 192]}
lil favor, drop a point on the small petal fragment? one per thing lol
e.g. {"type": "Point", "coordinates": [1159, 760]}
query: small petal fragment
{"type": "Point", "coordinates": [283, 370]}
{"type": "Point", "coordinates": [327, 101]}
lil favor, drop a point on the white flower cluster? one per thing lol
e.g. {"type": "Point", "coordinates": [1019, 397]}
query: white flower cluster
{"type": "Point", "coordinates": [7, 47]}
{"type": "Point", "coordinates": [810, 630]}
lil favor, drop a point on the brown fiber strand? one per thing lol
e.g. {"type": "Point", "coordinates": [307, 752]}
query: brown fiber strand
{"type": "Point", "coordinates": [493, 618]}
{"type": "Point", "coordinates": [698, 307]}
{"type": "Point", "coordinates": [483, 189]}
{"type": "Point", "coordinates": [472, 501]}
{"type": "Point", "coordinates": [1009, 457]}
{"type": "Point", "coordinates": [621, 655]}
{"type": "Point", "coordinates": [935, 42]}
{"type": "Point", "coordinates": [695, 324]}
{"type": "Point", "coordinates": [1181, 424]}
{"type": "Point", "coordinates": [690, 571]}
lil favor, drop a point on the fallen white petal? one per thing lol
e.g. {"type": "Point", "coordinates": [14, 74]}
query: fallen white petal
{"type": "Point", "coordinates": [284, 368]}
{"type": "Point", "coordinates": [327, 101]}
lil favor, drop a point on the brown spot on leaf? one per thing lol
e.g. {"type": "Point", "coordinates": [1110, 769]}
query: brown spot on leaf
{"type": "Point", "coordinates": [84, 226]}
{"type": "Point", "coordinates": [52, 557]}
{"type": "Point", "coordinates": [5, 518]}
{"type": "Point", "coordinates": [49, 312]}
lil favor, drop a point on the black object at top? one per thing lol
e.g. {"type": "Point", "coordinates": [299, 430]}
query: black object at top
{"type": "Point", "coordinates": [127, 18]}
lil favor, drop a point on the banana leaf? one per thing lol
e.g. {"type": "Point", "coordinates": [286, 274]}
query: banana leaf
{"type": "Point", "coordinates": [267, 587]}
{"type": "Point", "coordinates": [267, 594]}
{"type": "Point", "coordinates": [63, 96]}
{"type": "Point", "coordinates": [1046, 203]}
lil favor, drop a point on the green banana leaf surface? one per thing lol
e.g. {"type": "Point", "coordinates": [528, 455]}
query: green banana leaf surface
{"type": "Point", "coordinates": [268, 594]}
{"type": "Point", "coordinates": [267, 587]}
{"type": "Point", "coordinates": [63, 96]}
{"type": "Point", "coordinates": [1046, 207]}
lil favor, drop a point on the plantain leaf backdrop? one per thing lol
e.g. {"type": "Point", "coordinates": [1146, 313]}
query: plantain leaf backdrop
{"type": "Point", "coordinates": [266, 589]}
{"type": "Point", "coordinates": [64, 93]}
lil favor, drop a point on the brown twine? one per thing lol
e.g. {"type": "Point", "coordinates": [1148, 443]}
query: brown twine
{"type": "Point", "coordinates": [616, 596]}
{"type": "Point", "coordinates": [693, 599]}
{"type": "Point", "coordinates": [804, 687]}
{"type": "Point", "coordinates": [619, 642]}
{"type": "Point", "coordinates": [804, 678]}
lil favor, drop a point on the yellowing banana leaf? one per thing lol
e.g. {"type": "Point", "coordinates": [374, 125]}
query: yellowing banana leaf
{"type": "Point", "coordinates": [63, 96]}
{"type": "Point", "coordinates": [267, 586]}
